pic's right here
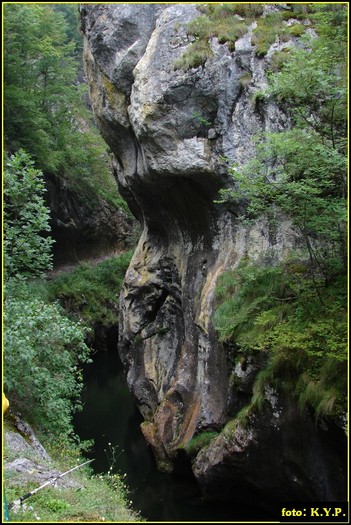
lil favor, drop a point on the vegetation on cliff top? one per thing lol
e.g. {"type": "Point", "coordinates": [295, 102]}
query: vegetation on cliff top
{"type": "Point", "coordinates": [90, 498]}
{"type": "Point", "coordinates": [229, 22]}
{"type": "Point", "coordinates": [294, 312]}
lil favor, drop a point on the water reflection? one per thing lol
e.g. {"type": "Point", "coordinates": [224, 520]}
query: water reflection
{"type": "Point", "coordinates": [110, 417]}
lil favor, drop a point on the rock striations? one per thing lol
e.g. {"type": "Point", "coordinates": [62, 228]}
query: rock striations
{"type": "Point", "coordinates": [170, 130]}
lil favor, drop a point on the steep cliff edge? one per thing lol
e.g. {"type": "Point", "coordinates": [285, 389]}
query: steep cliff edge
{"type": "Point", "coordinates": [170, 130]}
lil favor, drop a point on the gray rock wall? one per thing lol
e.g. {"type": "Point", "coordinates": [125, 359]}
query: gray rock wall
{"type": "Point", "coordinates": [83, 229]}
{"type": "Point", "coordinates": [169, 130]}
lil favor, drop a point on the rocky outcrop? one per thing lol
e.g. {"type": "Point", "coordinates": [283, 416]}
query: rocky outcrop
{"type": "Point", "coordinates": [26, 460]}
{"type": "Point", "coordinates": [81, 227]}
{"type": "Point", "coordinates": [169, 131]}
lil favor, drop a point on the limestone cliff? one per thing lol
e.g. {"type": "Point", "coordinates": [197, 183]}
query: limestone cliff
{"type": "Point", "coordinates": [169, 130]}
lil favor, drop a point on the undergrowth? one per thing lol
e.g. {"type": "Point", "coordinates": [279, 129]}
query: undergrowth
{"type": "Point", "coordinates": [93, 498]}
{"type": "Point", "coordinates": [199, 441]}
{"type": "Point", "coordinates": [43, 331]}
{"type": "Point", "coordinates": [92, 292]}
{"type": "Point", "coordinates": [277, 312]}
{"type": "Point", "coordinates": [269, 28]}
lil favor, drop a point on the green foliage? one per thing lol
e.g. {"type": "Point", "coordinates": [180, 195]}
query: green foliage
{"type": "Point", "coordinates": [43, 352]}
{"type": "Point", "coordinates": [240, 421]}
{"type": "Point", "coordinates": [277, 312]}
{"type": "Point", "coordinates": [195, 56]}
{"type": "Point", "coordinates": [26, 219]}
{"type": "Point", "coordinates": [249, 11]}
{"type": "Point", "coordinates": [199, 441]}
{"type": "Point", "coordinates": [201, 119]}
{"type": "Point", "coordinates": [229, 22]}
{"type": "Point", "coordinates": [241, 295]}
{"type": "Point", "coordinates": [267, 29]}
{"type": "Point", "coordinates": [92, 292]}
{"type": "Point", "coordinates": [97, 501]}
{"type": "Point", "coordinates": [71, 14]}
{"type": "Point", "coordinates": [312, 88]}
{"type": "Point", "coordinates": [98, 498]}
{"type": "Point", "coordinates": [296, 175]}
{"type": "Point", "coordinates": [229, 31]}
{"type": "Point", "coordinates": [245, 79]}
{"type": "Point", "coordinates": [44, 111]}
{"type": "Point", "coordinates": [301, 173]}
{"type": "Point", "coordinates": [299, 10]}
{"type": "Point", "coordinates": [54, 505]}
{"type": "Point", "coordinates": [219, 20]}
{"type": "Point", "coordinates": [296, 30]}
{"type": "Point", "coordinates": [272, 26]}
{"type": "Point", "coordinates": [278, 59]}
{"type": "Point", "coordinates": [39, 79]}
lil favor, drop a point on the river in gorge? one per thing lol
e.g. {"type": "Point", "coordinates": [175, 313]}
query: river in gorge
{"type": "Point", "coordinates": [111, 418]}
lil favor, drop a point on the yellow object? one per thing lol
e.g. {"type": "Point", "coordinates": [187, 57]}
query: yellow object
{"type": "Point", "coordinates": [5, 403]}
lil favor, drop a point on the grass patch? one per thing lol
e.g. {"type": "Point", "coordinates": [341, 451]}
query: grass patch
{"type": "Point", "coordinates": [221, 21]}
{"type": "Point", "coordinates": [94, 497]}
{"type": "Point", "coordinates": [195, 56]}
{"type": "Point", "coordinates": [272, 26]}
{"type": "Point", "coordinates": [278, 60]}
{"type": "Point", "coordinates": [198, 442]}
{"type": "Point", "coordinates": [245, 79]}
{"type": "Point", "coordinates": [266, 32]}
{"type": "Point", "coordinates": [229, 22]}
{"type": "Point", "coordinates": [97, 498]}
{"type": "Point", "coordinates": [240, 420]}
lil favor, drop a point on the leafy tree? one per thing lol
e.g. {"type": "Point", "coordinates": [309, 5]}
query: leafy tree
{"type": "Point", "coordinates": [294, 313]}
{"type": "Point", "coordinates": [47, 129]}
{"type": "Point", "coordinates": [70, 12]}
{"type": "Point", "coordinates": [27, 244]}
{"type": "Point", "coordinates": [44, 110]}
{"type": "Point", "coordinates": [301, 172]}
{"type": "Point", "coordinates": [43, 348]}
{"type": "Point", "coordinates": [39, 75]}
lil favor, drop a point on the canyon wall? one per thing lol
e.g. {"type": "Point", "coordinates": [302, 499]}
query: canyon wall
{"type": "Point", "coordinates": [172, 133]}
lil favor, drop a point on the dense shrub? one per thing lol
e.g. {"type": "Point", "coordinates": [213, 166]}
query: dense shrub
{"type": "Point", "coordinates": [26, 219]}
{"type": "Point", "coordinates": [43, 352]}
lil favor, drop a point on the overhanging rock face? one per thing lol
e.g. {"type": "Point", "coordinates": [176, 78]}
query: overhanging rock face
{"type": "Point", "coordinates": [169, 130]}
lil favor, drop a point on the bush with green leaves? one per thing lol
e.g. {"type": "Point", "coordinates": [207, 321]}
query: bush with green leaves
{"type": "Point", "coordinates": [91, 292]}
{"type": "Point", "coordinates": [43, 353]}
{"type": "Point", "coordinates": [28, 247]}
{"type": "Point", "coordinates": [275, 313]}
{"type": "Point", "coordinates": [294, 313]}
{"type": "Point", "coordinates": [300, 173]}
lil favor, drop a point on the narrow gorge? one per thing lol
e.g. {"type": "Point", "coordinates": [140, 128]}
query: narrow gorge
{"type": "Point", "coordinates": [173, 132]}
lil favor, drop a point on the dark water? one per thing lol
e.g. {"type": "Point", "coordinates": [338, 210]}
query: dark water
{"type": "Point", "coordinates": [110, 417]}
